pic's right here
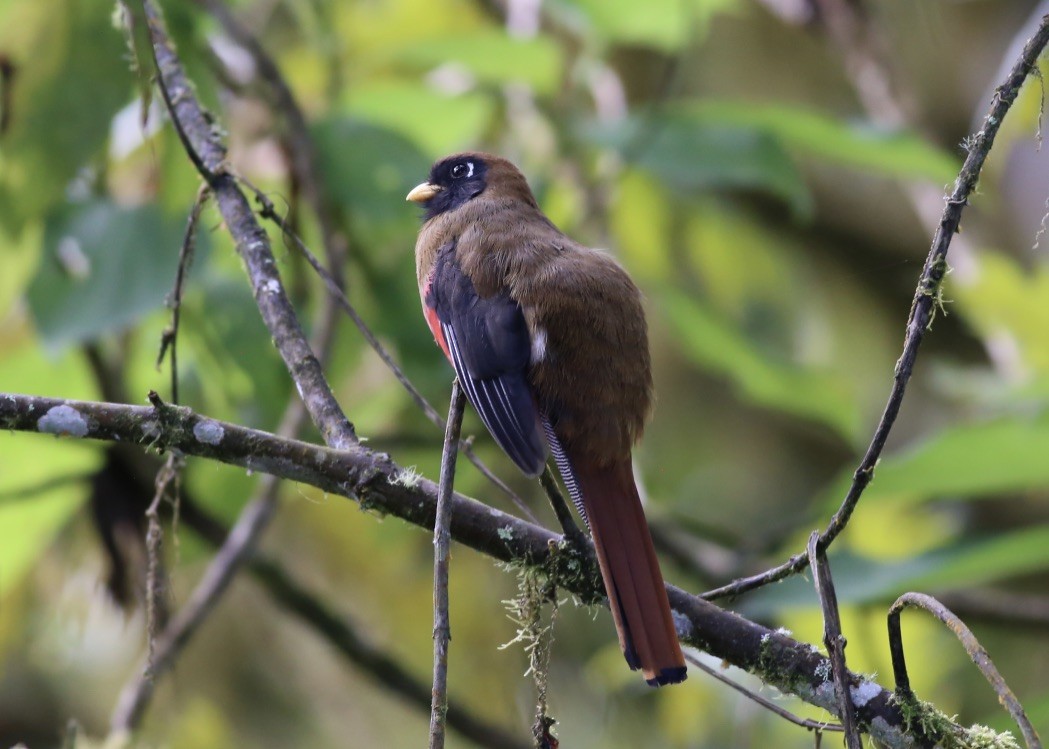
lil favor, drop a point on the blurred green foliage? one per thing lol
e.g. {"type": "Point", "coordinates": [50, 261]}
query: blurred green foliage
{"type": "Point", "coordinates": [767, 219]}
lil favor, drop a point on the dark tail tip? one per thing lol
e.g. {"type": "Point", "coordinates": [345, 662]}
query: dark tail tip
{"type": "Point", "coordinates": [674, 675]}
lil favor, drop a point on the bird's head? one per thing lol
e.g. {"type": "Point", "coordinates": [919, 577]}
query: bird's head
{"type": "Point", "coordinates": [458, 179]}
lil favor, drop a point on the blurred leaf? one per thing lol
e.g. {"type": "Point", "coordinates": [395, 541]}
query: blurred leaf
{"type": "Point", "coordinates": [27, 525]}
{"type": "Point", "coordinates": [20, 255]}
{"type": "Point", "coordinates": [641, 219]}
{"type": "Point", "coordinates": [663, 24]}
{"type": "Point", "coordinates": [1003, 298]}
{"type": "Point", "coordinates": [202, 723]}
{"type": "Point", "coordinates": [104, 266]}
{"type": "Point", "coordinates": [437, 123]}
{"type": "Point", "coordinates": [690, 154]}
{"type": "Point", "coordinates": [372, 177]}
{"type": "Point", "coordinates": [961, 462]}
{"type": "Point", "coordinates": [71, 78]}
{"type": "Point", "coordinates": [961, 564]}
{"type": "Point", "coordinates": [28, 522]}
{"type": "Point", "coordinates": [892, 153]}
{"type": "Point", "coordinates": [369, 169]}
{"type": "Point", "coordinates": [231, 352]}
{"type": "Point", "coordinates": [749, 273]}
{"type": "Point", "coordinates": [718, 347]}
{"type": "Point", "coordinates": [370, 30]}
{"type": "Point", "coordinates": [976, 562]}
{"type": "Point", "coordinates": [492, 57]}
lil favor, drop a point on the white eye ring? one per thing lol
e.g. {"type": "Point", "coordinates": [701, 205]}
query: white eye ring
{"type": "Point", "coordinates": [457, 170]}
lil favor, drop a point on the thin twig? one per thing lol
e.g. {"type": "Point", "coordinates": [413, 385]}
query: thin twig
{"type": "Point", "coordinates": [136, 695]}
{"type": "Point", "coordinates": [167, 483]}
{"type": "Point", "coordinates": [206, 150]}
{"type": "Point", "coordinates": [268, 210]}
{"type": "Point", "coordinates": [239, 544]}
{"type": "Point", "coordinates": [442, 535]}
{"type": "Point", "coordinates": [300, 142]}
{"type": "Point", "coordinates": [382, 667]}
{"type": "Point", "coordinates": [169, 338]}
{"type": "Point", "coordinates": [834, 640]}
{"type": "Point", "coordinates": [812, 725]}
{"type": "Point", "coordinates": [382, 486]}
{"type": "Point", "coordinates": [926, 297]}
{"type": "Point", "coordinates": [972, 647]}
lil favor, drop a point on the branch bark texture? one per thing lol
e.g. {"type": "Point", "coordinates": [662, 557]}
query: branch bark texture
{"type": "Point", "coordinates": [923, 308]}
{"type": "Point", "coordinates": [379, 485]}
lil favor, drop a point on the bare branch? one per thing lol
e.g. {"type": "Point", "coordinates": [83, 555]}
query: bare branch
{"type": "Point", "coordinates": [169, 338]}
{"type": "Point", "coordinates": [812, 725]}
{"type": "Point", "coordinates": [972, 647]}
{"type": "Point", "coordinates": [299, 142]}
{"type": "Point", "coordinates": [926, 297]}
{"type": "Point", "coordinates": [442, 629]}
{"type": "Point", "coordinates": [168, 482]}
{"type": "Point", "coordinates": [336, 293]}
{"type": "Point", "coordinates": [252, 522]}
{"type": "Point", "coordinates": [381, 666]}
{"type": "Point", "coordinates": [834, 640]}
{"type": "Point", "coordinates": [208, 154]}
{"type": "Point", "coordinates": [380, 485]}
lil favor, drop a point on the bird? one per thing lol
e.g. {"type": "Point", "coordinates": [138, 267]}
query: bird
{"type": "Point", "coordinates": [549, 341]}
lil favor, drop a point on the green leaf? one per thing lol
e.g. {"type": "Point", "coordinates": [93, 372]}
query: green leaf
{"type": "Point", "coordinates": [29, 522]}
{"type": "Point", "coordinates": [438, 123]}
{"type": "Point", "coordinates": [689, 154]}
{"type": "Point", "coordinates": [974, 563]}
{"type": "Point", "coordinates": [892, 153]}
{"type": "Point", "coordinates": [663, 24]}
{"type": "Point", "coordinates": [961, 462]}
{"type": "Point", "coordinates": [492, 57]}
{"type": "Point", "coordinates": [1002, 297]}
{"type": "Point", "coordinates": [370, 169]}
{"type": "Point", "coordinates": [28, 525]}
{"type": "Point", "coordinates": [233, 352]}
{"type": "Point", "coordinates": [20, 255]}
{"type": "Point", "coordinates": [72, 77]}
{"type": "Point", "coordinates": [719, 347]}
{"type": "Point", "coordinates": [103, 268]}
{"type": "Point", "coordinates": [860, 579]}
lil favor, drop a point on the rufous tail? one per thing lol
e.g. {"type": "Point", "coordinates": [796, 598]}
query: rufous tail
{"type": "Point", "coordinates": [633, 581]}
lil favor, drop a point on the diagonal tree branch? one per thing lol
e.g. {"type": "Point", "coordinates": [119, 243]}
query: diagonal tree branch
{"type": "Point", "coordinates": [251, 523]}
{"type": "Point", "coordinates": [205, 148]}
{"type": "Point", "coordinates": [384, 669]}
{"type": "Point", "coordinates": [333, 626]}
{"type": "Point", "coordinates": [378, 484]}
{"type": "Point", "coordinates": [303, 158]}
{"type": "Point", "coordinates": [926, 298]}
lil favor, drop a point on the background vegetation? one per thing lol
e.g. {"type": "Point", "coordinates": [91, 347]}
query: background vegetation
{"type": "Point", "coordinates": [769, 172]}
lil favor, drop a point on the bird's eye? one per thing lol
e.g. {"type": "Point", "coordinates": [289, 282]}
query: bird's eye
{"type": "Point", "coordinates": [463, 170]}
